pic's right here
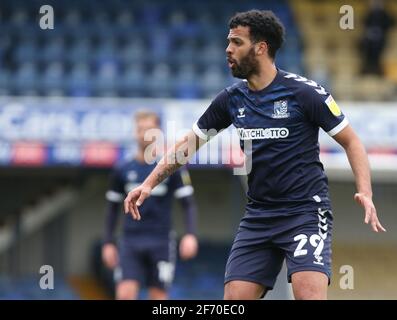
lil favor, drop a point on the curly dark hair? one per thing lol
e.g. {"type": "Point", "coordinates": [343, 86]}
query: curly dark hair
{"type": "Point", "coordinates": [263, 26]}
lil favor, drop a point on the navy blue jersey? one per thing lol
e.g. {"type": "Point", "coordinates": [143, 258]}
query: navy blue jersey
{"type": "Point", "coordinates": [156, 210]}
{"type": "Point", "coordinates": [282, 121]}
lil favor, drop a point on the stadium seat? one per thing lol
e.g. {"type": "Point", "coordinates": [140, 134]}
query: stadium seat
{"type": "Point", "coordinates": [91, 35]}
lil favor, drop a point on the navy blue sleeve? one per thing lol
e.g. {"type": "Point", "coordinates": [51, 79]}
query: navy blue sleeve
{"type": "Point", "coordinates": [322, 110]}
{"type": "Point", "coordinates": [215, 118]}
{"type": "Point", "coordinates": [115, 192]}
{"type": "Point", "coordinates": [115, 195]}
{"type": "Point", "coordinates": [183, 191]}
{"type": "Point", "coordinates": [189, 207]}
{"type": "Point", "coordinates": [111, 222]}
{"type": "Point", "coordinates": [181, 184]}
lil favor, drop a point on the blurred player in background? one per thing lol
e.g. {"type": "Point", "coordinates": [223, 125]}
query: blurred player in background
{"type": "Point", "coordinates": [288, 213]}
{"type": "Point", "coordinates": [146, 253]}
{"type": "Point", "coordinates": [377, 23]}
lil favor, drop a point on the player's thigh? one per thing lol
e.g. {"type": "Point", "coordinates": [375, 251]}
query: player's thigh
{"type": "Point", "coordinates": [309, 285]}
{"type": "Point", "coordinates": [131, 266]}
{"type": "Point", "coordinates": [127, 290]}
{"type": "Point", "coordinates": [243, 290]}
{"type": "Point", "coordinates": [308, 252]}
{"type": "Point", "coordinates": [161, 264]}
{"type": "Point", "coordinates": [252, 260]}
{"type": "Point", "coordinates": [156, 293]}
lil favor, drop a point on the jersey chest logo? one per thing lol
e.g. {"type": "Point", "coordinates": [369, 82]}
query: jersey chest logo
{"type": "Point", "coordinates": [241, 113]}
{"type": "Point", "coordinates": [280, 109]}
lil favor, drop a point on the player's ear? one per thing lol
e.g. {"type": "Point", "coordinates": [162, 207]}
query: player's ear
{"type": "Point", "coordinates": [261, 48]}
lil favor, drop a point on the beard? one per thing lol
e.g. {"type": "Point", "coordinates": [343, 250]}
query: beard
{"type": "Point", "coordinates": [247, 67]}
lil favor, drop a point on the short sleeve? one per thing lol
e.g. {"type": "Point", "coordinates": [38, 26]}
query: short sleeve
{"type": "Point", "coordinates": [182, 184]}
{"type": "Point", "coordinates": [215, 118]}
{"type": "Point", "coordinates": [322, 110]}
{"type": "Point", "coordinates": [115, 192]}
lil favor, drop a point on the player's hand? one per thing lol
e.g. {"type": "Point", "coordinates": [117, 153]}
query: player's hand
{"type": "Point", "coordinates": [188, 247]}
{"type": "Point", "coordinates": [370, 211]}
{"type": "Point", "coordinates": [134, 199]}
{"type": "Point", "coordinates": [110, 255]}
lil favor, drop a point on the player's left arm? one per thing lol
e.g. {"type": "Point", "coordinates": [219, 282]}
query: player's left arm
{"type": "Point", "coordinates": [188, 247]}
{"type": "Point", "coordinates": [359, 163]}
{"type": "Point", "coordinates": [322, 110]}
{"type": "Point", "coordinates": [184, 192]}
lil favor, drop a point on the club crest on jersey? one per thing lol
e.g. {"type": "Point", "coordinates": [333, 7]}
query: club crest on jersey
{"type": "Point", "coordinates": [280, 109]}
{"type": "Point", "coordinates": [241, 113]}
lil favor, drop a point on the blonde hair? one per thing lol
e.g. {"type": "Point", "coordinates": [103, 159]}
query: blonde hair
{"type": "Point", "coordinates": [144, 114]}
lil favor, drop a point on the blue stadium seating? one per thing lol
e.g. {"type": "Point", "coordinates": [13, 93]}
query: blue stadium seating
{"type": "Point", "coordinates": [95, 45]}
{"type": "Point", "coordinates": [28, 288]}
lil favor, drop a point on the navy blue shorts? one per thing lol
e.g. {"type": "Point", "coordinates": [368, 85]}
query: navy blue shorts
{"type": "Point", "coordinates": [151, 262]}
{"type": "Point", "coordinates": [261, 245]}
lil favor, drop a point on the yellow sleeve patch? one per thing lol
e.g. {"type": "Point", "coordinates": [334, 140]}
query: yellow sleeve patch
{"type": "Point", "coordinates": [333, 106]}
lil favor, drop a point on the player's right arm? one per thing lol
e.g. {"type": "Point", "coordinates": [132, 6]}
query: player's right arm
{"type": "Point", "coordinates": [114, 196]}
{"type": "Point", "coordinates": [214, 119]}
{"type": "Point", "coordinates": [174, 158]}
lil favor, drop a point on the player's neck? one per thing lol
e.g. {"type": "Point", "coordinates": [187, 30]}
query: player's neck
{"type": "Point", "coordinates": [142, 158]}
{"type": "Point", "coordinates": [268, 72]}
